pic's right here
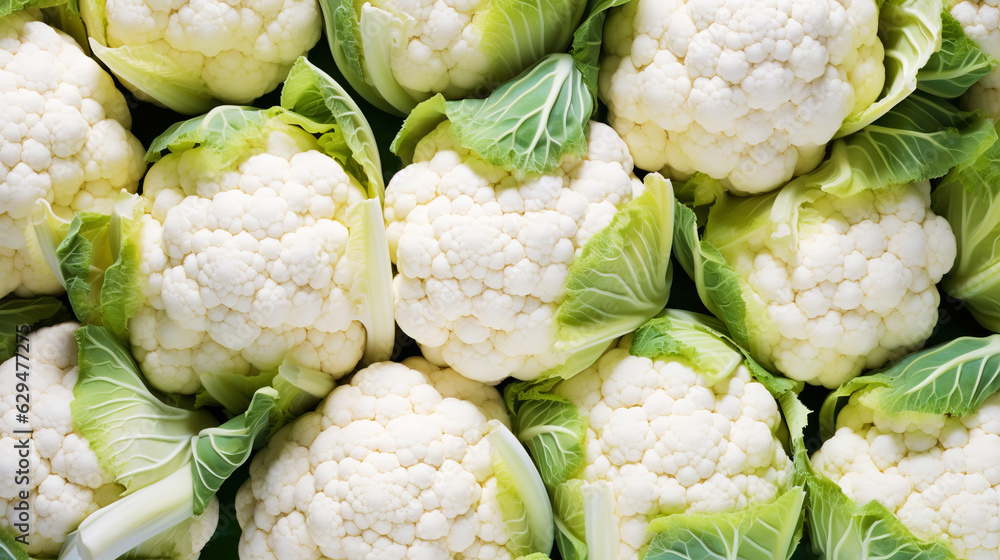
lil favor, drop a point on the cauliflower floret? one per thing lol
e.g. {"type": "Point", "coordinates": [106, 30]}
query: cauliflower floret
{"type": "Point", "coordinates": [940, 475]}
{"type": "Point", "coordinates": [394, 465]}
{"type": "Point", "coordinates": [981, 22]}
{"type": "Point", "coordinates": [64, 139]}
{"type": "Point", "coordinates": [483, 254]}
{"type": "Point", "coordinates": [669, 443]}
{"type": "Point", "coordinates": [247, 266]}
{"type": "Point", "coordinates": [857, 291]}
{"type": "Point", "coordinates": [241, 50]}
{"type": "Point", "coordinates": [746, 92]}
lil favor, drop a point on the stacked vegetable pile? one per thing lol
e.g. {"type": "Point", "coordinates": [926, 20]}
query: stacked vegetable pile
{"type": "Point", "coordinates": [499, 280]}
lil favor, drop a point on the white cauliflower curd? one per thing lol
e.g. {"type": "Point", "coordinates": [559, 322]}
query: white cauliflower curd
{"type": "Point", "coordinates": [668, 441]}
{"type": "Point", "coordinates": [937, 473]}
{"type": "Point", "coordinates": [748, 93]}
{"type": "Point", "coordinates": [185, 54]}
{"type": "Point", "coordinates": [64, 140]}
{"type": "Point", "coordinates": [395, 465]}
{"type": "Point", "coordinates": [483, 254]}
{"type": "Point", "coordinates": [400, 52]}
{"type": "Point", "coordinates": [246, 265]}
{"type": "Point", "coordinates": [844, 285]}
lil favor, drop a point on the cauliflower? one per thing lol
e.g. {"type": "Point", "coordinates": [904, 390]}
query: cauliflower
{"type": "Point", "coordinates": [64, 139]}
{"type": "Point", "coordinates": [247, 264]}
{"type": "Point", "coordinates": [254, 245]}
{"type": "Point", "coordinates": [397, 464]}
{"type": "Point", "coordinates": [748, 93]}
{"type": "Point", "coordinates": [923, 440]}
{"type": "Point", "coordinates": [398, 53]}
{"type": "Point", "coordinates": [857, 289]}
{"type": "Point", "coordinates": [485, 254]}
{"type": "Point", "coordinates": [186, 55]}
{"type": "Point", "coordinates": [65, 480]}
{"type": "Point", "coordinates": [677, 429]}
{"type": "Point", "coordinates": [937, 474]}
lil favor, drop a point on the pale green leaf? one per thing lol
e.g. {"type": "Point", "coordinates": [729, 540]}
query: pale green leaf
{"type": "Point", "coordinates": [134, 435]}
{"type": "Point", "coordinates": [311, 93]}
{"type": "Point", "coordinates": [969, 198]}
{"type": "Point", "coordinates": [587, 41]}
{"type": "Point", "coordinates": [762, 532]}
{"type": "Point", "coordinates": [620, 280]}
{"type": "Point", "coordinates": [158, 76]}
{"type": "Point", "coordinates": [523, 500]}
{"type": "Point", "coordinates": [841, 529]}
{"type": "Point", "coordinates": [219, 451]}
{"type": "Point", "coordinates": [910, 31]}
{"type": "Point", "coordinates": [957, 65]}
{"type": "Point", "coordinates": [551, 427]}
{"type": "Point", "coordinates": [528, 124]}
{"type": "Point", "coordinates": [717, 282]}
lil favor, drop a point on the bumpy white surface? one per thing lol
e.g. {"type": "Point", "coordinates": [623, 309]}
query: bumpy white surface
{"type": "Point", "coordinates": [939, 474]}
{"type": "Point", "coordinates": [981, 22]}
{"type": "Point", "coordinates": [483, 255]}
{"type": "Point", "coordinates": [447, 50]}
{"type": "Point", "coordinates": [858, 291]}
{"type": "Point", "coordinates": [63, 138]}
{"type": "Point", "coordinates": [240, 49]}
{"type": "Point", "coordinates": [66, 481]}
{"type": "Point", "coordinates": [395, 465]}
{"type": "Point", "coordinates": [246, 265]}
{"type": "Point", "coordinates": [746, 92]}
{"type": "Point", "coordinates": [668, 443]}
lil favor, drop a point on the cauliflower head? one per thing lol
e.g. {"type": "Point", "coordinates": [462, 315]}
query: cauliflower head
{"type": "Point", "coordinates": [64, 139]}
{"type": "Point", "coordinates": [65, 479]}
{"type": "Point", "coordinates": [937, 473]}
{"type": "Point", "coordinates": [246, 265]}
{"type": "Point", "coordinates": [981, 23]}
{"type": "Point", "coordinates": [455, 47]}
{"type": "Point", "coordinates": [850, 285]}
{"type": "Point", "coordinates": [395, 465]}
{"type": "Point", "coordinates": [237, 50]}
{"type": "Point", "coordinates": [668, 440]}
{"type": "Point", "coordinates": [746, 92]}
{"type": "Point", "coordinates": [483, 254]}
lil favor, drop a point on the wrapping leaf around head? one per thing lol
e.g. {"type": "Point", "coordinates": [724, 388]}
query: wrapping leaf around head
{"type": "Point", "coordinates": [969, 198]}
{"type": "Point", "coordinates": [555, 431]}
{"type": "Point", "coordinates": [379, 46]}
{"type": "Point", "coordinates": [950, 380]}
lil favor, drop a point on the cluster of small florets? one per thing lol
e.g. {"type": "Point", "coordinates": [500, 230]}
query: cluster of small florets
{"type": "Point", "coordinates": [668, 442]}
{"type": "Point", "coordinates": [483, 254]}
{"type": "Point", "coordinates": [939, 474]}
